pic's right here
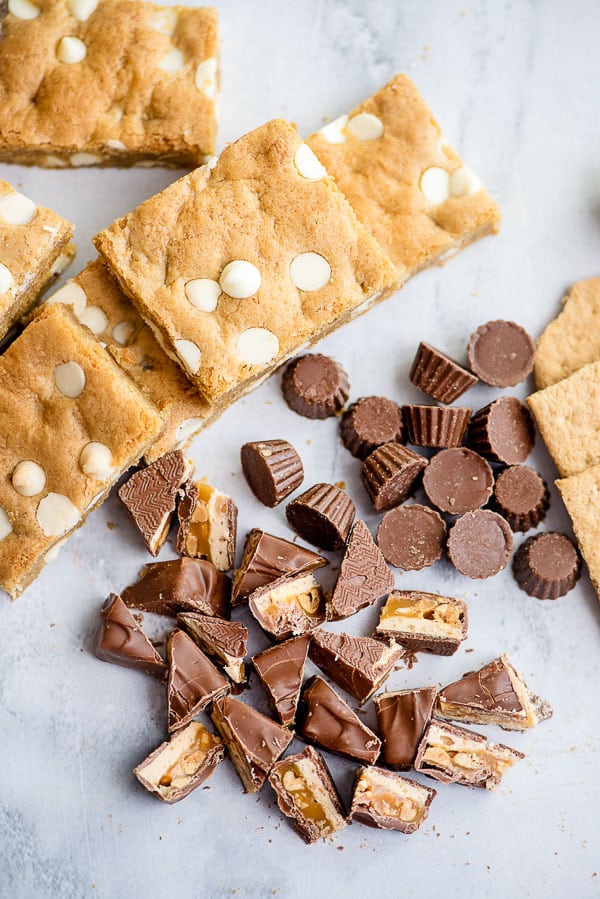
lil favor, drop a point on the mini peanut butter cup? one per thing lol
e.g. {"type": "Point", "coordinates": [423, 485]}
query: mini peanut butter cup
{"type": "Point", "coordinates": [273, 470]}
{"type": "Point", "coordinates": [503, 431]}
{"type": "Point", "coordinates": [315, 386]}
{"type": "Point", "coordinates": [480, 543]}
{"type": "Point", "coordinates": [438, 376]}
{"type": "Point", "coordinates": [501, 353]}
{"type": "Point", "coordinates": [411, 537]}
{"type": "Point", "coordinates": [322, 515]}
{"type": "Point", "coordinates": [547, 566]}
{"type": "Point", "coordinates": [458, 480]}
{"type": "Point", "coordinates": [521, 496]}
{"type": "Point", "coordinates": [389, 474]}
{"type": "Point", "coordinates": [435, 426]}
{"type": "Point", "coordinates": [369, 423]}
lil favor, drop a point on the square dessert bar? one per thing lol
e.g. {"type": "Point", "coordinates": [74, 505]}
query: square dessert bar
{"type": "Point", "coordinates": [107, 82]}
{"type": "Point", "coordinates": [237, 267]}
{"type": "Point", "coordinates": [71, 422]}
{"type": "Point", "coordinates": [99, 304]}
{"type": "Point", "coordinates": [34, 247]}
{"type": "Point", "coordinates": [407, 186]}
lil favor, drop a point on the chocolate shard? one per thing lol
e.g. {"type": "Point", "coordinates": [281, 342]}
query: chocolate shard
{"type": "Point", "coordinates": [193, 683]}
{"type": "Point", "coordinates": [288, 607]}
{"type": "Point", "coordinates": [369, 423]}
{"type": "Point", "coordinates": [281, 670]}
{"type": "Point", "coordinates": [390, 473]}
{"type": "Point", "coordinates": [496, 694]}
{"type": "Point", "coordinates": [357, 664]}
{"type": "Point", "coordinates": [325, 719]}
{"type": "Point", "coordinates": [547, 566]}
{"type": "Point", "coordinates": [307, 794]}
{"type": "Point", "coordinates": [521, 497]}
{"type": "Point", "coordinates": [439, 376]}
{"type": "Point", "coordinates": [363, 578]}
{"type": "Point", "coordinates": [411, 536]}
{"type": "Point", "coordinates": [315, 386]}
{"type": "Point", "coordinates": [273, 470]}
{"type": "Point", "coordinates": [207, 525]}
{"type": "Point", "coordinates": [182, 585]}
{"type": "Point", "coordinates": [455, 755]}
{"type": "Point", "coordinates": [253, 740]}
{"type": "Point", "coordinates": [480, 543]}
{"type": "Point", "coordinates": [388, 801]}
{"type": "Point", "coordinates": [182, 763]}
{"type": "Point", "coordinates": [121, 640]}
{"type": "Point", "coordinates": [501, 353]}
{"type": "Point", "coordinates": [424, 622]}
{"type": "Point", "coordinates": [267, 558]}
{"type": "Point", "coordinates": [223, 641]}
{"type": "Point", "coordinates": [402, 718]}
{"type": "Point", "coordinates": [458, 480]}
{"type": "Point", "coordinates": [435, 426]}
{"type": "Point", "coordinates": [503, 431]}
{"type": "Point", "coordinates": [150, 496]}
{"type": "Point", "coordinates": [322, 515]}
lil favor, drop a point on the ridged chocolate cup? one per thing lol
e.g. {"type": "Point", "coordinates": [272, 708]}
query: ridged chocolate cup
{"type": "Point", "coordinates": [458, 480]}
{"type": "Point", "coordinates": [322, 515]}
{"type": "Point", "coordinates": [435, 426]}
{"type": "Point", "coordinates": [521, 497]}
{"type": "Point", "coordinates": [547, 566]}
{"type": "Point", "coordinates": [370, 422]}
{"type": "Point", "coordinates": [501, 353]}
{"type": "Point", "coordinates": [438, 376]}
{"type": "Point", "coordinates": [480, 544]}
{"type": "Point", "coordinates": [389, 474]}
{"type": "Point", "coordinates": [412, 536]}
{"type": "Point", "coordinates": [273, 470]}
{"type": "Point", "coordinates": [315, 386]}
{"type": "Point", "coordinates": [503, 431]}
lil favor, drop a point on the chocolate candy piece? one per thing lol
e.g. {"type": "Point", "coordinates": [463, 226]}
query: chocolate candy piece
{"type": "Point", "coordinates": [121, 640]}
{"type": "Point", "coordinates": [182, 585]}
{"type": "Point", "coordinates": [265, 559]}
{"type": "Point", "coordinates": [521, 497]}
{"type": "Point", "coordinates": [547, 566]}
{"type": "Point", "coordinates": [455, 755]}
{"type": "Point", "coordinates": [357, 664]}
{"type": "Point", "coordinates": [503, 431]}
{"type": "Point", "coordinates": [388, 801]}
{"type": "Point", "coordinates": [501, 353]}
{"type": "Point", "coordinates": [280, 670]}
{"type": "Point", "coordinates": [411, 537]}
{"type": "Point", "coordinates": [182, 763]}
{"type": "Point", "coordinates": [315, 386]}
{"type": "Point", "coordinates": [224, 641]}
{"type": "Point", "coordinates": [480, 543]}
{"type": "Point", "coordinates": [150, 495]}
{"type": "Point", "coordinates": [307, 794]}
{"type": "Point", "coordinates": [253, 740]}
{"type": "Point", "coordinates": [424, 622]}
{"type": "Point", "coordinates": [496, 694]}
{"type": "Point", "coordinates": [402, 718]}
{"type": "Point", "coordinates": [369, 423]}
{"type": "Point", "coordinates": [325, 719]}
{"type": "Point", "coordinates": [273, 470]}
{"type": "Point", "coordinates": [438, 376]}
{"type": "Point", "coordinates": [435, 426]}
{"type": "Point", "coordinates": [207, 525]}
{"type": "Point", "coordinates": [289, 606]}
{"type": "Point", "coordinates": [458, 480]}
{"type": "Point", "coordinates": [193, 683]}
{"type": "Point", "coordinates": [322, 515]}
{"type": "Point", "coordinates": [363, 577]}
{"type": "Point", "coordinates": [389, 474]}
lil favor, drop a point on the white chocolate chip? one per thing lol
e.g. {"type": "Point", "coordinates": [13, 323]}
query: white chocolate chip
{"type": "Point", "coordinates": [435, 185]}
{"type": "Point", "coordinates": [206, 77]}
{"type": "Point", "coordinates": [23, 9]}
{"type": "Point", "coordinates": [5, 525]}
{"type": "Point", "coordinates": [256, 346]}
{"type": "Point", "coordinates": [6, 279]}
{"type": "Point", "coordinates": [54, 551]}
{"type": "Point", "coordinates": [186, 429]}
{"type": "Point", "coordinates": [69, 378]}
{"type": "Point", "coordinates": [189, 354]}
{"type": "Point", "coordinates": [307, 164]}
{"type": "Point", "coordinates": [211, 162]}
{"type": "Point", "coordinates": [116, 145]}
{"type": "Point", "coordinates": [60, 263]}
{"type": "Point", "coordinates": [17, 209]}
{"type": "Point", "coordinates": [82, 9]}
{"type": "Point", "coordinates": [240, 279]}
{"type": "Point", "coordinates": [463, 182]}
{"type": "Point", "coordinates": [123, 332]}
{"type": "Point", "coordinates": [78, 160]}
{"type": "Point", "coordinates": [115, 113]}
{"type": "Point", "coordinates": [96, 461]}
{"type": "Point", "coordinates": [203, 293]}
{"type": "Point", "coordinates": [310, 271]}
{"type": "Point", "coordinates": [28, 478]}
{"type": "Point", "coordinates": [164, 21]}
{"type": "Point", "coordinates": [365, 126]}
{"type": "Point", "coordinates": [173, 62]}
{"type": "Point", "coordinates": [56, 515]}
{"type": "Point", "coordinates": [56, 162]}
{"type": "Point", "coordinates": [333, 132]}
{"type": "Point", "coordinates": [71, 49]}
{"type": "Point", "coordinates": [71, 295]}
{"type": "Point", "coordinates": [94, 318]}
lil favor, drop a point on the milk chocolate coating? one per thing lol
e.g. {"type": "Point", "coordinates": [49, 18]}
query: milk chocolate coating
{"type": "Point", "coordinates": [369, 423]}
{"type": "Point", "coordinates": [183, 585]}
{"type": "Point", "coordinates": [322, 515]}
{"type": "Point", "coordinates": [458, 480]}
{"type": "Point", "coordinates": [488, 690]}
{"type": "Point", "coordinates": [225, 518]}
{"type": "Point", "coordinates": [273, 470]}
{"type": "Point", "coordinates": [363, 578]}
{"type": "Point", "coordinates": [224, 641]}
{"type": "Point", "coordinates": [503, 431]}
{"type": "Point", "coordinates": [284, 618]}
{"type": "Point", "coordinates": [121, 640]}
{"type": "Point", "coordinates": [438, 376]}
{"type": "Point", "coordinates": [366, 810]}
{"type": "Point", "coordinates": [315, 386]}
{"type": "Point", "coordinates": [402, 718]}
{"type": "Point", "coordinates": [265, 559]}
{"type": "Point", "coordinates": [425, 632]}
{"type": "Point", "coordinates": [281, 669]}
{"type": "Point", "coordinates": [547, 566]}
{"type": "Point", "coordinates": [357, 664]}
{"type": "Point", "coordinates": [435, 426]}
{"type": "Point", "coordinates": [521, 496]}
{"type": "Point", "coordinates": [325, 719]}
{"type": "Point", "coordinates": [389, 474]}
{"type": "Point", "coordinates": [194, 682]}
{"type": "Point", "coordinates": [411, 537]}
{"type": "Point", "coordinates": [480, 543]}
{"type": "Point", "coordinates": [501, 353]}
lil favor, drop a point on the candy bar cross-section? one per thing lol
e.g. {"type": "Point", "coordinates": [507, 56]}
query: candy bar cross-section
{"type": "Point", "coordinates": [237, 267]}
{"type": "Point", "coordinates": [107, 82]}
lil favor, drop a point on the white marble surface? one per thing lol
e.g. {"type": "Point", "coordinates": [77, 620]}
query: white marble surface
{"type": "Point", "coordinates": [515, 87]}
